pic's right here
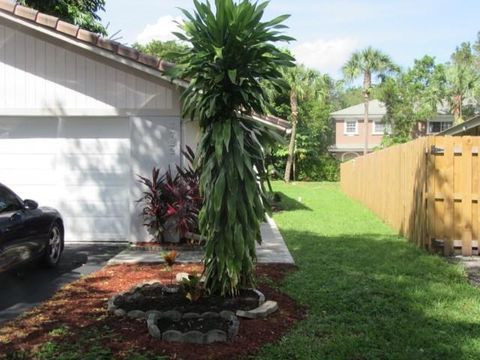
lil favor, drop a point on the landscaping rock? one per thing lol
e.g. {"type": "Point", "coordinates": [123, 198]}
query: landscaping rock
{"type": "Point", "coordinates": [227, 315]}
{"type": "Point", "coordinates": [154, 331]}
{"type": "Point", "coordinates": [172, 335]}
{"type": "Point", "coordinates": [180, 276]}
{"type": "Point", "coordinates": [234, 327]}
{"type": "Point", "coordinates": [136, 314]}
{"type": "Point", "coordinates": [191, 315]}
{"type": "Point", "coordinates": [194, 337]}
{"type": "Point", "coordinates": [260, 312]}
{"type": "Point", "coordinates": [210, 314]}
{"type": "Point", "coordinates": [111, 306]}
{"type": "Point", "coordinates": [119, 312]}
{"type": "Point", "coordinates": [137, 297]}
{"type": "Point", "coordinates": [214, 336]}
{"type": "Point", "coordinates": [173, 315]}
{"type": "Point", "coordinates": [154, 314]}
{"type": "Point", "coordinates": [261, 297]}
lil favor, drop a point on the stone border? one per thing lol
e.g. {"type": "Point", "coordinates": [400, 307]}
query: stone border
{"type": "Point", "coordinates": [193, 336]}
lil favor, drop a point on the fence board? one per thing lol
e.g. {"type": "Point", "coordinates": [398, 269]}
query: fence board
{"type": "Point", "coordinates": [428, 190]}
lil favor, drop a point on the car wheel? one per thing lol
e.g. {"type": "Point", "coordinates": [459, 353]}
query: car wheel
{"type": "Point", "coordinates": [54, 248]}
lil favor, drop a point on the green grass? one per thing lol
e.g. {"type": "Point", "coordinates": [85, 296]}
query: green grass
{"type": "Point", "coordinates": [370, 294]}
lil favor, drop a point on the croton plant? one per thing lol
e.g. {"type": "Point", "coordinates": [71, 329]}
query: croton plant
{"type": "Point", "coordinates": [171, 199]}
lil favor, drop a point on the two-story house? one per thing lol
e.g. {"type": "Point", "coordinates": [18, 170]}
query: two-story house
{"type": "Point", "coordinates": [350, 129]}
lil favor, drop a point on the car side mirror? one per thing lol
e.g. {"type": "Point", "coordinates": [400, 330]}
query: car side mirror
{"type": "Point", "coordinates": [30, 204]}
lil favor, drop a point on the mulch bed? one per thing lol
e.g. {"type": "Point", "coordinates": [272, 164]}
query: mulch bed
{"type": "Point", "coordinates": [81, 306]}
{"type": "Point", "coordinates": [156, 299]}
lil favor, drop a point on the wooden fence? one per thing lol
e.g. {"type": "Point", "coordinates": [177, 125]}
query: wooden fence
{"type": "Point", "coordinates": [428, 190]}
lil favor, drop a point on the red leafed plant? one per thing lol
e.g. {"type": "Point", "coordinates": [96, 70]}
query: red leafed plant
{"type": "Point", "coordinates": [173, 197]}
{"type": "Point", "coordinates": [154, 207]}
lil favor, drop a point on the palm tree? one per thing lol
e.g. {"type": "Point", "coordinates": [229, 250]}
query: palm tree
{"type": "Point", "coordinates": [304, 83]}
{"type": "Point", "coordinates": [367, 62]}
{"type": "Point", "coordinates": [462, 79]}
{"type": "Point", "coordinates": [301, 82]}
{"type": "Point", "coordinates": [231, 54]}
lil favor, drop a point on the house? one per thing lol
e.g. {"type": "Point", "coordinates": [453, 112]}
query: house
{"type": "Point", "coordinates": [80, 117]}
{"type": "Point", "coordinates": [349, 128]}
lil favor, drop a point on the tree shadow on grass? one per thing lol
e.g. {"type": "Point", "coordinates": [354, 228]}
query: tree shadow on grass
{"type": "Point", "coordinates": [283, 202]}
{"type": "Point", "coordinates": [375, 296]}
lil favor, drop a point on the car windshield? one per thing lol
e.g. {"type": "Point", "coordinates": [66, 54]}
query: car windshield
{"type": "Point", "coordinates": [8, 201]}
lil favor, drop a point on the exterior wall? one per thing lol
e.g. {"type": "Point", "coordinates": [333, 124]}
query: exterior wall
{"type": "Point", "coordinates": [76, 129]}
{"type": "Point", "coordinates": [40, 75]}
{"type": "Point", "coordinates": [155, 141]}
{"type": "Point", "coordinates": [190, 134]}
{"type": "Point", "coordinates": [356, 140]}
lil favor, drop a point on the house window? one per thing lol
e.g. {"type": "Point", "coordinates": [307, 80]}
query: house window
{"type": "Point", "coordinates": [438, 126]}
{"type": "Point", "coordinates": [351, 127]}
{"type": "Point", "coordinates": [378, 128]}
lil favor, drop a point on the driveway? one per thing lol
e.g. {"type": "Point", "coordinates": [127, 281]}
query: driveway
{"type": "Point", "coordinates": [31, 285]}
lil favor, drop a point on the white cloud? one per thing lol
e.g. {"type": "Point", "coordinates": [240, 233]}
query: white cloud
{"type": "Point", "coordinates": [161, 30]}
{"type": "Point", "coordinates": [325, 55]}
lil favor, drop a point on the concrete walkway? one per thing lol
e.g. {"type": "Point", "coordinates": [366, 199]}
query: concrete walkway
{"type": "Point", "coordinates": [272, 250]}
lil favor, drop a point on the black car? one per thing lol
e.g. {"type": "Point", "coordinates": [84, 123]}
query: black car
{"type": "Point", "coordinates": [28, 232]}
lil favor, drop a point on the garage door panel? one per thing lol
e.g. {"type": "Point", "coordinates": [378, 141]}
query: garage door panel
{"type": "Point", "coordinates": [104, 209]}
{"type": "Point", "coordinates": [94, 178]}
{"type": "Point", "coordinates": [32, 177]}
{"type": "Point", "coordinates": [25, 146]}
{"type": "Point", "coordinates": [81, 166]}
{"type": "Point", "coordinates": [29, 128]}
{"type": "Point", "coordinates": [93, 193]}
{"type": "Point", "coordinates": [106, 163]}
{"type": "Point", "coordinates": [27, 161]}
{"type": "Point", "coordinates": [95, 146]}
{"type": "Point", "coordinates": [94, 128]}
{"type": "Point", "coordinates": [96, 228]}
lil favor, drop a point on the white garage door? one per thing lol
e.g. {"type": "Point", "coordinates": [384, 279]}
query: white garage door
{"type": "Point", "coordinates": [78, 165]}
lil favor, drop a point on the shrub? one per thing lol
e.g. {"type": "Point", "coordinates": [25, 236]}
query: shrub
{"type": "Point", "coordinates": [172, 199]}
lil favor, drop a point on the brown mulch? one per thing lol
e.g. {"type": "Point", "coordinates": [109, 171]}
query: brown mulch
{"type": "Point", "coordinates": [81, 307]}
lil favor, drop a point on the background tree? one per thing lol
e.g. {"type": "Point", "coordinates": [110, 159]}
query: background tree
{"type": "Point", "coordinates": [83, 13]}
{"type": "Point", "coordinates": [232, 52]}
{"type": "Point", "coordinates": [314, 133]}
{"type": "Point", "coordinates": [412, 97]}
{"type": "Point", "coordinates": [301, 82]}
{"type": "Point", "coordinates": [463, 77]}
{"type": "Point", "coordinates": [166, 50]}
{"type": "Point", "coordinates": [367, 62]}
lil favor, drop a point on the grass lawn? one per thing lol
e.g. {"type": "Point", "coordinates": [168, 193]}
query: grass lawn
{"type": "Point", "coordinates": [370, 293]}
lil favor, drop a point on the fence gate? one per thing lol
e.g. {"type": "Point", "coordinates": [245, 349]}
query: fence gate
{"type": "Point", "coordinates": [427, 189]}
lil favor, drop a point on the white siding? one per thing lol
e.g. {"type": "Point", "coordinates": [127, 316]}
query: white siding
{"type": "Point", "coordinates": [38, 73]}
{"type": "Point", "coordinates": [81, 166]}
{"type": "Point", "coordinates": [155, 141]}
{"type": "Point", "coordinates": [77, 128]}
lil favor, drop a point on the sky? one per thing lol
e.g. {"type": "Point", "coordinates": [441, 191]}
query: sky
{"type": "Point", "coordinates": [327, 32]}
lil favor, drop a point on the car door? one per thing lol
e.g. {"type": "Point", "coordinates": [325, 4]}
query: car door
{"type": "Point", "coordinates": [15, 246]}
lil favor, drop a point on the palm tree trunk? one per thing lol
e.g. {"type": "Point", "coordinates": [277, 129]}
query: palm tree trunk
{"type": "Point", "coordinates": [367, 82]}
{"type": "Point", "coordinates": [457, 109]}
{"type": "Point", "coordinates": [291, 146]}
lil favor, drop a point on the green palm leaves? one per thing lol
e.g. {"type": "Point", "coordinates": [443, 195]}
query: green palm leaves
{"type": "Point", "coordinates": [231, 53]}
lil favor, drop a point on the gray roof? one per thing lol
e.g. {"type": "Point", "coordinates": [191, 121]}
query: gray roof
{"type": "Point", "coordinates": [375, 107]}
{"type": "Point", "coordinates": [462, 127]}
